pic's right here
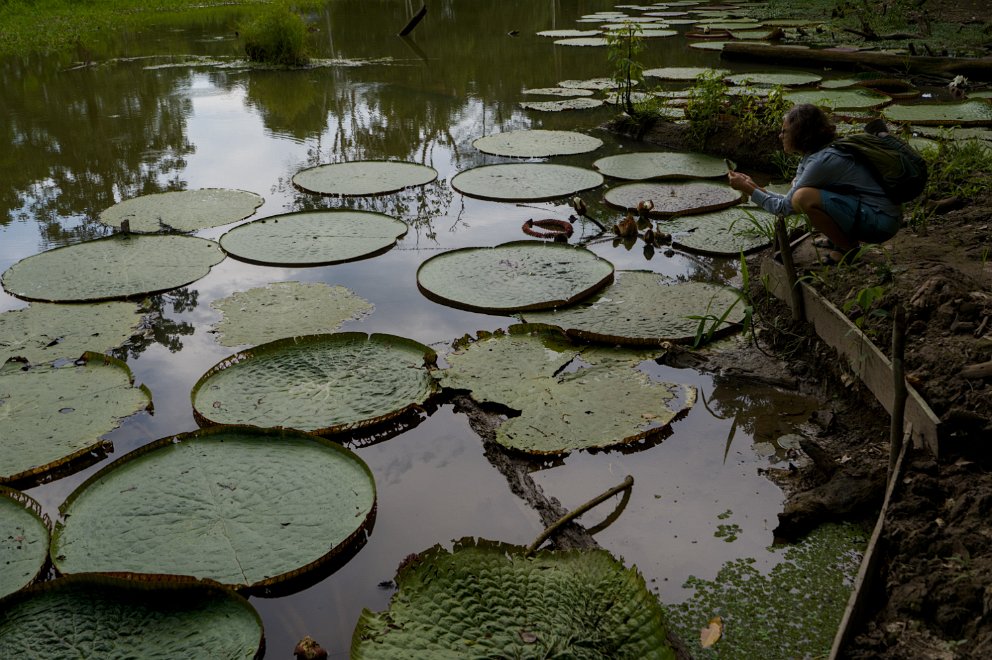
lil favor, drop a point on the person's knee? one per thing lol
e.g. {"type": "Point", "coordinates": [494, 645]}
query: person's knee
{"type": "Point", "coordinates": [805, 199]}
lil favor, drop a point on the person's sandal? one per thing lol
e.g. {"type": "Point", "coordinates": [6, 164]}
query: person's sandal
{"type": "Point", "coordinates": [835, 257]}
{"type": "Point", "coordinates": [824, 242]}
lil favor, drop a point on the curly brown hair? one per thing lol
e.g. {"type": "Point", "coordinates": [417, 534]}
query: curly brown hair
{"type": "Point", "coordinates": [811, 128]}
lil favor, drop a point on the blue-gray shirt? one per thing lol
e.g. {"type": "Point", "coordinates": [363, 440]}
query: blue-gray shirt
{"type": "Point", "coordinates": [830, 169]}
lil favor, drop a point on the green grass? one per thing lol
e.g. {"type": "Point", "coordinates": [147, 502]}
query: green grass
{"type": "Point", "coordinates": [52, 26]}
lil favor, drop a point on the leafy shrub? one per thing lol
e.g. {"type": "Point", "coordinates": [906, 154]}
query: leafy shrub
{"type": "Point", "coordinates": [957, 168]}
{"type": "Point", "coordinates": [277, 36]}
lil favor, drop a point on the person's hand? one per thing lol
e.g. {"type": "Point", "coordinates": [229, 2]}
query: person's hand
{"type": "Point", "coordinates": [741, 182]}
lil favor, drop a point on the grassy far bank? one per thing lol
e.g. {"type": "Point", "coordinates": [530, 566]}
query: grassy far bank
{"type": "Point", "coordinates": [48, 26]}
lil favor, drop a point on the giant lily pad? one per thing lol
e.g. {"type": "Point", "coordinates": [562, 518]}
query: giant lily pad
{"type": "Point", "coordinates": [840, 98]}
{"type": "Point", "coordinates": [537, 143]}
{"type": "Point", "coordinates": [567, 34]}
{"type": "Point", "coordinates": [363, 177]}
{"type": "Point", "coordinates": [785, 78]}
{"type": "Point", "coordinates": [673, 198]}
{"type": "Point", "coordinates": [114, 267]}
{"type": "Point", "coordinates": [592, 83]}
{"type": "Point", "coordinates": [583, 41]}
{"type": "Point", "coordinates": [569, 397]}
{"type": "Point", "coordinates": [645, 309]}
{"type": "Point", "coordinates": [968, 113]}
{"type": "Point", "coordinates": [661, 165]}
{"type": "Point", "coordinates": [53, 416]}
{"type": "Point", "coordinates": [517, 276]}
{"type": "Point", "coordinates": [243, 506]}
{"type": "Point", "coordinates": [43, 332]}
{"type": "Point", "coordinates": [320, 383]}
{"type": "Point", "coordinates": [24, 532]}
{"type": "Point", "coordinates": [104, 617]}
{"type": "Point", "coordinates": [184, 210]}
{"type": "Point", "coordinates": [524, 182]}
{"type": "Point", "coordinates": [562, 105]}
{"type": "Point", "coordinates": [682, 72]}
{"type": "Point", "coordinates": [489, 600]}
{"type": "Point", "coordinates": [727, 232]}
{"type": "Point", "coordinates": [313, 238]}
{"type": "Point", "coordinates": [558, 91]}
{"type": "Point", "coordinates": [286, 309]}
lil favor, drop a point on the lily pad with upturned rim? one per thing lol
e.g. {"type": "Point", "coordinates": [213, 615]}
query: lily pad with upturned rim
{"type": "Point", "coordinates": [558, 91]}
{"type": "Point", "coordinates": [53, 416]}
{"type": "Point", "coordinates": [98, 616]}
{"type": "Point", "coordinates": [686, 73]}
{"type": "Point", "coordinates": [524, 182]}
{"type": "Point", "coordinates": [513, 277]}
{"type": "Point", "coordinates": [642, 308]}
{"type": "Point", "coordinates": [43, 332]}
{"type": "Point", "coordinates": [24, 536]}
{"type": "Point", "coordinates": [285, 309]}
{"type": "Point", "coordinates": [184, 210]}
{"type": "Point", "coordinates": [363, 177]}
{"type": "Point", "coordinates": [592, 83]}
{"type": "Point", "coordinates": [681, 197]}
{"type": "Point", "coordinates": [568, 397]}
{"type": "Point", "coordinates": [840, 98]}
{"type": "Point", "coordinates": [727, 232]}
{"type": "Point", "coordinates": [785, 78]}
{"type": "Point", "coordinates": [594, 42]}
{"type": "Point", "coordinates": [313, 238]}
{"type": "Point", "coordinates": [243, 506]}
{"type": "Point", "coordinates": [968, 113]}
{"type": "Point", "coordinates": [648, 165]}
{"type": "Point", "coordinates": [537, 143]}
{"type": "Point", "coordinates": [491, 598]}
{"type": "Point", "coordinates": [115, 267]}
{"type": "Point", "coordinates": [325, 384]}
{"type": "Point", "coordinates": [568, 34]}
{"type": "Point", "coordinates": [562, 105]}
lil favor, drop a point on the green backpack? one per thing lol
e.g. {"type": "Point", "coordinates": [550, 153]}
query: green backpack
{"type": "Point", "coordinates": [898, 167]}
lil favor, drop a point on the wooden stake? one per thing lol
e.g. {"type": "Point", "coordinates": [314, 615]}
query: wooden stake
{"type": "Point", "coordinates": [785, 249]}
{"type": "Point", "coordinates": [898, 387]}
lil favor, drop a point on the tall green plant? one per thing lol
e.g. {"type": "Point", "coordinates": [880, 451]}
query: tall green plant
{"type": "Point", "coordinates": [708, 99]}
{"type": "Point", "coordinates": [276, 36]}
{"type": "Point", "coordinates": [624, 46]}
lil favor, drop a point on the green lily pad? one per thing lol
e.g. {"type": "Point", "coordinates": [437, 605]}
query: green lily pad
{"type": "Point", "coordinates": [517, 276]}
{"type": "Point", "coordinates": [615, 98]}
{"type": "Point", "coordinates": [184, 210]}
{"type": "Point", "coordinates": [88, 616]}
{"type": "Point", "coordinates": [24, 533]}
{"type": "Point", "coordinates": [761, 33]}
{"type": "Point", "coordinates": [791, 22]}
{"type": "Point", "coordinates": [537, 143]}
{"type": "Point", "coordinates": [686, 73]}
{"type": "Point", "coordinates": [489, 600]}
{"type": "Point", "coordinates": [53, 416]}
{"type": "Point", "coordinates": [285, 309]}
{"type": "Point", "coordinates": [558, 91]}
{"type": "Point", "coordinates": [569, 397]}
{"type": "Point", "coordinates": [562, 105]}
{"type": "Point", "coordinates": [313, 238]}
{"type": "Point", "coordinates": [784, 78]}
{"type": "Point", "coordinates": [673, 198]}
{"type": "Point", "coordinates": [839, 83]}
{"type": "Point", "coordinates": [243, 506]}
{"type": "Point", "coordinates": [661, 165]}
{"type": "Point", "coordinates": [591, 83]}
{"type": "Point", "coordinates": [840, 98]}
{"type": "Point", "coordinates": [981, 94]}
{"type": "Point", "coordinates": [583, 41]}
{"type": "Point", "coordinates": [642, 308]}
{"type": "Point", "coordinates": [727, 232]}
{"type": "Point", "coordinates": [363, 177]}
{"type": "Point", "coordinates": [524, 182]}
{"type": "Point", "coordinates": [114, 267]}
{"type": "Point", "coordinates": [968, 113]}
{"type": "Point", "coordinates": [708, 45]}
{"type": "Point", "coordinates": [729, 24]}
{"type": "Point", "coordinates": [43, 332]}
{"type": "Point", "coordinates": [320, 383]}
{"type": "Point", "coordinates": [567, 34]}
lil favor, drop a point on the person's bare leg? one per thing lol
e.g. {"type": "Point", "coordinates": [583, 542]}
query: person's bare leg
{"type": "Point", "coordinates": [808, 201]}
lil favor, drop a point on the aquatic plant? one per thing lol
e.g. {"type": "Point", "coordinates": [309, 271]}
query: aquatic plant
{"type": "Point", "coordinates": [277, 36]}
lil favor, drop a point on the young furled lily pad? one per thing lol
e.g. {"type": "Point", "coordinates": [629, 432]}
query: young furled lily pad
{"type": "Point", "coordinates": [569, 397]}
{"type": "Point", "coordinates": [785, 78]}
{"type": "Point", "coordinates": [524, 182]}
{"type": "Point", "coordinates": [52, 416]}
{"type": "Point", "coordinates": [489, 600]}
{"type": "Point", "coordinates": [682, 72]}
{"type": "Point", "coordinates": [24, 533]}
{"type": "Point", "coordinates": [285, 309]}
{"type": "Point", "coordinates": [840, 98]}
{"type": "Point", "coordinates": [642, 308]}
{"type": "Point", "coordinates": [313, 238]}
{"type": "Point", "coordinates": [114, 267]}
{"type": "Point", "coordinates": [537, 143]}
{"type": "Point", "coordinates": [98, 616]}
{"type": "Point", "coordinates": [558, 91]}
{"type": "Point", "coordinates": [320, 383]}
{"type": "Point", "coordinates": [673, 198]}
{"type": "Point", "coordinates": [517, 276]}
{"type": "Point", "coordinates": [562, 105]}
{"type": "Point", "coordinates": [968, 113]}
{"type": "Point", "coordinates": [184, 210]}
{"type": "Point", "coordinates": [727, 232]}
{"type": "Point", "coordinates": [661, 165]}
{"type": "Point", "coordinates": [43, 332]}
{"type": "Point", "coordinates": [243, 506]}
{"type": "Point", "coordinates": [363, 177]}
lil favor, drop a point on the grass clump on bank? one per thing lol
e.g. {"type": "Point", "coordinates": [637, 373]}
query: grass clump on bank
{"type": "Point", "coordinates": [958, 172]}
{"type": "Point", "coordinates": [276, 36]}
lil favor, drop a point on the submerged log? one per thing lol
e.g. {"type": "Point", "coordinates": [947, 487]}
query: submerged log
{"type": "Point", "coordinates": [978, 68]}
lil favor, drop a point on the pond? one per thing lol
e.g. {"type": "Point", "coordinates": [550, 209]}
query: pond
{"type": "Point", "coordinates": [144, 116]}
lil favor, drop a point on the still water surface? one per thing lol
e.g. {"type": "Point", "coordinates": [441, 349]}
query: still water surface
{"type": "Point", "coordinates": [139, 119]}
